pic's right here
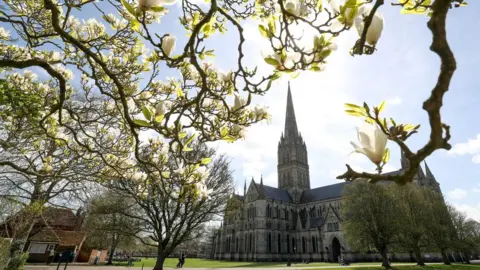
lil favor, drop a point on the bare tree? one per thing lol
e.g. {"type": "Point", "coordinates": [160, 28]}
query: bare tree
{"type": "Point", "coordinates": [173, 210]}
{"type": "Point", "coordinates": [467, 231]}
{"type": "Point", "coordinates": [107, 226]}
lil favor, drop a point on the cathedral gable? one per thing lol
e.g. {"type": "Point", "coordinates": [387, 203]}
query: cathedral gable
{"type": "Point", "coordinates": [252, 192]}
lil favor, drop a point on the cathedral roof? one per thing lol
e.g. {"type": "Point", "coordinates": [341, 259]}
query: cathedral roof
{"type": "Point", "coordinates": [240, 197]}
{"type": "Point", "coordinates": [275, 193]}
{"type": "Point", "coordinates": [323, 193]}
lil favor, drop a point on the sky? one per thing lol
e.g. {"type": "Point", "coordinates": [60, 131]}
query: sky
{"type": "Point", "coordinates": [401, 72]}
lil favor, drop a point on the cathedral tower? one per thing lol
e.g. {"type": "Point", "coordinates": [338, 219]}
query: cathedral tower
{"type": "Point", "coordinates": [293, 171]}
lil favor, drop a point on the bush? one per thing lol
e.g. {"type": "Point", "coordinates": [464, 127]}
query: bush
{"type": "Point", "coordinates": [4, 252]}
{"type": "Point", "coordinates": [17, 261]}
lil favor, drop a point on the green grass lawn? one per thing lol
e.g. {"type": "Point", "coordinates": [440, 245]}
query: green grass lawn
{"type": "Point", "coordinates": [203, 263]}
{"type": "Point", "coordinates": [410, 267]}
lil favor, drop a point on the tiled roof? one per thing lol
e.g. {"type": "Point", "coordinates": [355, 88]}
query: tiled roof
{"type": "Point", "coordinates": [45, 235]}
{"type": "Point", "coordinates": [240, 197]}
{"type": "Point", "coordinates": [64, 238]}
{"type": "Point", "coordinates": [60, 217]}
{"type": "Point", "coordinates": [323, 193]}
{"type": "Point", "coordinates": [275, 193]}
{"type": "Point", "coordinates": [70, 238]}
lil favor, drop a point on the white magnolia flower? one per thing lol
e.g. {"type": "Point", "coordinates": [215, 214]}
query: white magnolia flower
{"type": "Point", "coordinates": [376, 27]}
{"type": "Point", "coordinates": [202, 172]}
{"type": "Point", "coordinates": [139, 176]}
{"type": "Point", "coordinates": [290, 59]}
{"type": "Point", "coordinates": [260, 111]}
{"type": "Point", "coordinates": [47, 167]}
{"type": "Point", "coordinates": [54, 56]}
{"type": "Point", "coordinates": [4, 34]}
{"type": "Point", "coordinates": [225, 76]}
{"type": "Point", "coordinates": [332, 47]}
{"type": "Point", "coordinates": [168, 44]}
{"type": "Point", "coordinates": [165, 148]}
{"type": "Point", "coordinates": [203, 190]}
{"type": "Point", "coordinates": [240, 130]}
{"type": "Point", "coordinates": [153, 3]}
{"type": "Point", "coordinates": [160, 109]}
{"type": "Point", "coordinates": [207, 66]}
{"type": "Point", "coordinates": [179, 170]}
{"type": "Point", "coordinates": [349, 14]}
{"type": "Point", "coordinates": [293, 6]}
{"type": "Point", "coordinates": [239, 102]}
{"type": "Point", "coordinates": [372, 142]}
{"type": "Point", "coordinates": [29, 75]}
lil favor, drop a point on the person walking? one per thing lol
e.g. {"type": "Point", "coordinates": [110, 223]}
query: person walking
{"type": "Point", "coordinates": [179, 264]}
{"type": "Point", "coordinates": [183, 259]}
{"type": "Point", "coordinates": [51, 255]}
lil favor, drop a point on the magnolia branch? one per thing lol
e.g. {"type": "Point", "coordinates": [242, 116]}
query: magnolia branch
{"type": "Point", "coordinates": [440, 132]}
{"type": "Point", "coordinates": [50, 70]}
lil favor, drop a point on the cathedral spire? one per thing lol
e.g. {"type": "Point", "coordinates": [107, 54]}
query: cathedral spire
{"type": "Point", "coordinates": [245, 188]}
{"type": "Point", "coordinates": [261, 180]}
{"type": "Point", "coordinates": [290, 120]}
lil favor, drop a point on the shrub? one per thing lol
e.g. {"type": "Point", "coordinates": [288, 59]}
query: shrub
{"type": "Point", "coordinates": [17, 261]}
{"type": "Point", "coordinates": [4, 252]}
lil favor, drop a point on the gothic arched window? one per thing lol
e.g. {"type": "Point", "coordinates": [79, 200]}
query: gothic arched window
{"type": "Point", "coordinates": [251, 240]}
{"type": "Point", "coordinates": [245, 242]}
{"type": "Point", "coordinates": [288, 243]}
{"type": "Point", "coordinates": [269, 242]}
{"type": "Point", "coordinates": [279, 244]}
{"type": "Point", "coordinates": [314, 244]}
{"type": "Point", "coordinates": [304, 245]}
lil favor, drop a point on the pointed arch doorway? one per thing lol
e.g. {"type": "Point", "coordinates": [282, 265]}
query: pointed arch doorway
{"type": "Point", "coordinates": [336, 249]}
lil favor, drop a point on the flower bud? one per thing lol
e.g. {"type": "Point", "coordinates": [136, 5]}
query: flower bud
{"type": "Point", "coordinates": [168, 44]}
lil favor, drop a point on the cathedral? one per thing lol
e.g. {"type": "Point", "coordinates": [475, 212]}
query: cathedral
{"type": "Point", "coordinates": [291, 221]}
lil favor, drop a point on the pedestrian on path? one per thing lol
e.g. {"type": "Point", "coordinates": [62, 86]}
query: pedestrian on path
{"type": "Point", "coordinates": [179, 264]}
{"type": "Point", "coordinates": [51, 256]}
{"type": "Point", "coordinates": [183, 259]}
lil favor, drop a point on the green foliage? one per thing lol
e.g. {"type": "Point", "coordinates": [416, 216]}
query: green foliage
{"type": "Point", "coordinates": [369, 215]}
{"type": "Point", "coordinates": [4, 252]}
{"type": "Point", "coordinates": [17, 103]}
{"type": "Point", "coordinates": [17, 261]}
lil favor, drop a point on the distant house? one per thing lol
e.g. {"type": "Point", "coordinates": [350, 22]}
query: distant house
{"type": "Point", "coordinates": [59, 229]}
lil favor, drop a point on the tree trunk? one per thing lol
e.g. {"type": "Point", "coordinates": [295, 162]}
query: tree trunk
{"type": "Point", "coordinates": [112, 251]}
{"type": "Point", "coordinates": [466, 256]}
{"type": "Point", "coordinates": [384, 255]}
{"type": "Point", "coordinates": [445, 259]}
{"type": "Point", "coordinates": [419, 257]}
{"type": "Point", "coordinates": [160, 260]}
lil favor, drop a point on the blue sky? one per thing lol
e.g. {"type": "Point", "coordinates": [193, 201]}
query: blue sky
{"type": "Point", "coordinates": [402, 72]}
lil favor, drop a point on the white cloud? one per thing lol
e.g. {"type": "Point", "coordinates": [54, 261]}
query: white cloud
{"type": "Point", "coordinates": [472, 212]}
{"type": "Point", "coordinates": [457, 194]}
{"type": "Point", "coordinates": [394, 101]}
{"type": "Point", "coordinates": [319, 108]}
{"type": "Point", "coordinates": [471, 147]}
{"type": "Point", "coordinates": [476, 159]}
{"type": "Point", "coordinates": [476, 189]}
